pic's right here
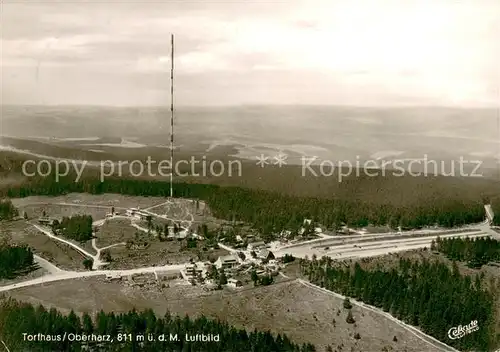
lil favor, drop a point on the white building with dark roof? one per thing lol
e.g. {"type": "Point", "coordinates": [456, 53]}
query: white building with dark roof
{"type": "Point", "coordinates": [226, 262]}
{"type": "Point", "coordinates": [45, 220]}
{"type": "Point", "coordinates": [254, 246]}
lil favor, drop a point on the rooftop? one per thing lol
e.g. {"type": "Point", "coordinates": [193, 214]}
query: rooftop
{"type": "Point", "coordinates": [228, 258]}
{"type": "Point", "coordinates": [263, 253]}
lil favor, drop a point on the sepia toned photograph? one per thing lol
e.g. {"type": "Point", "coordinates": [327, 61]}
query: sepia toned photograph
{"type": "Point", "coordinates": [250, 176]}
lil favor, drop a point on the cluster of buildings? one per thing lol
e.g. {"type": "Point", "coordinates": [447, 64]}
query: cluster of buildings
{"type": "Point", "coordinates": [256, 246]}
{"type": "Point", "coordinates": [197, 273]}
{"type": "Point", "coordinates": [256, 257]}
{"type": "Point", "coordinates": [138, 214]}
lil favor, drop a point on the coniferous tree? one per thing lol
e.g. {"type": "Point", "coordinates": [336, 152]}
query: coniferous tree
{"type": "Point", "coordinates": [418, 293]}
{"type": "Point", "coordinates": [350, 319]}
{"type": "Point", "coordinates": [17, 318]}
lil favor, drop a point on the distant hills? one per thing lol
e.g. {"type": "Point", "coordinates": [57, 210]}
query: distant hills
{"type": "Point", "coordinates": [327, 132]}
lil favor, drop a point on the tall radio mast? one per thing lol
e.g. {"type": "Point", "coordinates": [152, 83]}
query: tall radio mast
{"type": "Point", "coordinates": [172, 116]}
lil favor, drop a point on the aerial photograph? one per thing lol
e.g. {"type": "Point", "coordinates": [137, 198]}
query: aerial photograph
{"type": "Point", "coordinates": [250, 176]}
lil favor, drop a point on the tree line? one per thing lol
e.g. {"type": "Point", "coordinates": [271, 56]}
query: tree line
{"type": "Point", "coordinates": [428, 295]}
{"type": "Point", "coordinates": [476, 251]}
{"type": "Point", "coordinates": [17, 318]}
{"type": "Point", "coordinates": [270, 212]}
{"type": "Point", "coordinates": [495, 206]}
{"type": "Point", "coordinates": [76, 227]}
{"type": "Point", "coordinates": [7, 210]}
{"type": "Point", "coordinates": [15, 260]}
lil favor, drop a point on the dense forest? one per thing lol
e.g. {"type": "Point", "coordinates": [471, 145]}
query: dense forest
{"type": "Point", "coordinates": [476, 251]}
{"type": "Point", "coordinates": [495, 206]}
{"type": "Point", "coordinates": [77, 227]}
{"type": "Point", "coordinates": [14, 260]}
{"type": "Point", "coordinates": [271, 212]}
{"type": "Point", "coordinates": [427, 294]}
{"type": "Point", "coordinates": [7, 210]}
{"type": "Point", "coordinates": [17, 318]}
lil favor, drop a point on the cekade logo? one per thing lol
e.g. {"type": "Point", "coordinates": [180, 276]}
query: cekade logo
{"type": "Point", "coordinates": [460, 331]}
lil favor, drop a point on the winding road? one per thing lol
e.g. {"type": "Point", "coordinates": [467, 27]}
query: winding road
{"type": "Point", "coordinates": [57, 274]}
{"type": "Point", "coordinates": [97, 263]}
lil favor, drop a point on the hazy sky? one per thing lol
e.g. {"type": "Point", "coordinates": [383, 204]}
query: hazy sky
{"type": "Point", "coordinates": [366, 52]}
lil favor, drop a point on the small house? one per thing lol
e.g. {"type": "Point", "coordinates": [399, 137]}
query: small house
{"type": "Point", "coordinates": [46, 221]}
{"type": "Point", "coordinates": [256, 246]}
{"type": "Point", "coordinates": [265, 254]}
{"type": "Point", "coordinates": [226, 262]}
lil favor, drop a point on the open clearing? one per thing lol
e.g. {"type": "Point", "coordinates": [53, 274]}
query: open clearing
{"type": "Point", "coordinates": [156, 252]}
{"type": "Point", "coordinates": [106, 200]}
{"type": "Point", "coordinates": [114, 231]}
{"type": "Point", "coordinates": [58, 211]}
{"type": "Point", "coordinates": [159, 253]}
{"type": "Point", "coordinates": [303, 313]}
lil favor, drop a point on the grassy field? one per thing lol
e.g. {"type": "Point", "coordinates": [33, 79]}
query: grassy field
{"type": "Point", "coordinates": [303, 313]}
{"type": "Point", "coordinates": [114, 231]}
{"type": "Point", "coordinates": [107, 200]}
{"type": "Point", "coordinates": [59, 254]}
{"type": "Point", "coordinates": [58, 211]}
{"type": "Point", "coordinates": [33, 211]}
{"type": "Point", "coordinates": [156, 253]}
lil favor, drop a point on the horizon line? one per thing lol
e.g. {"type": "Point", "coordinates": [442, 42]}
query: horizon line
{"type": "Point", "coordinates": [166, 106]}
